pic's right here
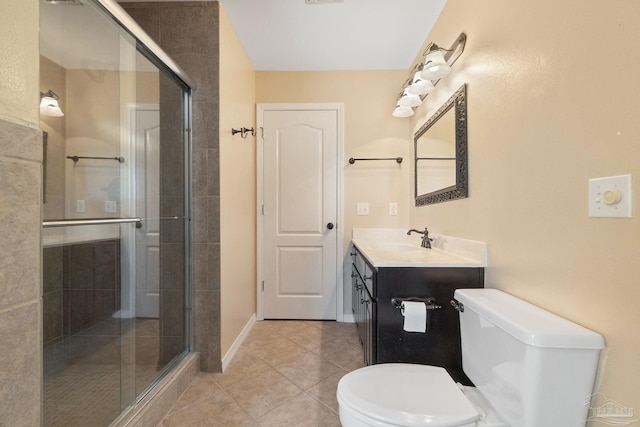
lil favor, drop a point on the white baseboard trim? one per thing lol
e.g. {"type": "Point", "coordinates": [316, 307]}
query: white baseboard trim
{"type": "Point", "coordinates": [238, 342]}
{"type": "Point", "coordinates": [349, 318]}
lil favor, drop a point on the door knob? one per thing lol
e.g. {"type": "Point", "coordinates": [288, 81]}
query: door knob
{"type": "Point", "coordinates": [330, 226]}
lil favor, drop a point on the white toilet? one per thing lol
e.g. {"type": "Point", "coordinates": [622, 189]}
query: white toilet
{"type": "Point", "coordinates": [531, 368]}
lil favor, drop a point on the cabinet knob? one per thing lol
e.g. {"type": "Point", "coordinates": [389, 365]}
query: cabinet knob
{"type": "Point", "coordinates": [330, 226]}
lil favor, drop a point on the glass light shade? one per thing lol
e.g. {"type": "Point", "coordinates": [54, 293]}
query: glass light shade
{"type": "Point", "coordinates": [419, 86]}
{"type": "Point", "coordinates": [401, 111]}
{"type": "Point", "coordinates": [435, 66]}
{"type": "Point", "coordinates": [49, 107]}
{"type": "Point", "coordinates": [409, 100]}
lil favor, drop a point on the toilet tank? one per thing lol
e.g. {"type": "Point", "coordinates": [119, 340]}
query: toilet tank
{"type": "Point", "coordinates": [535, 368]}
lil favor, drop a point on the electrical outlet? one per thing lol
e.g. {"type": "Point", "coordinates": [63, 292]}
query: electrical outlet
{"type": "Point", "coordinates": [362, 208]}
{"type": "Point", "coordinates": [393, 208]}
{"type": "Point", "coordinates": [80, 206]}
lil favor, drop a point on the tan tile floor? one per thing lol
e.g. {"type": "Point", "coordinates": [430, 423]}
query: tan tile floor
{"type": "Point", "coordinates": [285, 374]}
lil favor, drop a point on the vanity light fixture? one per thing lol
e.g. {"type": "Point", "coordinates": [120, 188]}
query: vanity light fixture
{"type": "Point", "coordinates": [435, 66]}
{"type": "Point", "coordinates": [402, 111]}
{"type": "Point", "coordinates": [408, 99]}
{"type": "Point", "coordinates": [420, 86]}
{"type": "Point", "coordinates": [436, 63]}
{"type": "Point", "coordinates": [49, 104]}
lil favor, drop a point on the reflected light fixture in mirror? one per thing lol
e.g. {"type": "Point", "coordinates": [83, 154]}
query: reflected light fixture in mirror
{"type": "Point", "coordinates": [49, 104]}
{"type": "Point", "coordinates": [428, 72]}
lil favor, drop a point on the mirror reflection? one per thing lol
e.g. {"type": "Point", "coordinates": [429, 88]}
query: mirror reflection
{"type": "Point", "coordinates": [441, 153]}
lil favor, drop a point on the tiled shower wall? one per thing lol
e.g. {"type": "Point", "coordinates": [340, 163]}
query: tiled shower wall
{"type": "Point", "coordinates": [188, 32]}
{"type": "Point", "coordinates": [20, 305]}
{"type": "Point", "coordinates": [80, 287]}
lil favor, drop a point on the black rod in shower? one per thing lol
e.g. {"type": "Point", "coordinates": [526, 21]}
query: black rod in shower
{"type": "Point", "coordinates": [76, 158]}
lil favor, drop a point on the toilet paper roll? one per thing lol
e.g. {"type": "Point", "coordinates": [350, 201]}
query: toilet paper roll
{"type": "Point", "coordinates": [415, 316]}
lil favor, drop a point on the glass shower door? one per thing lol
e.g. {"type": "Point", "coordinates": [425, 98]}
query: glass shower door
{"type": "Point", "coordinates": [115, 216]}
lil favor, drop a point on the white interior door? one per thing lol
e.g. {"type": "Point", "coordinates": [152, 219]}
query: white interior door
{"type": "Point", "coordinates": [147, 238]}
{"type": "Point", "coordinates": [300, 192]}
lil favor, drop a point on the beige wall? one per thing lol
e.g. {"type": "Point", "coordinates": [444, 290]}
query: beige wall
{"type": "Point", "coordinates": [369, 131]}
{"type": "Point", "coordinates": [237, 187]}
{"type": "Point", "coordinates": [19, 66]}
{"type": "Point", "coordinates": [552, 102]}
{"type": "Point", "coordinates": [20, 216]}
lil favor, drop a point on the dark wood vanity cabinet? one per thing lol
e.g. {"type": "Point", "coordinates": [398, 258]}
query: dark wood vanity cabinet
{"type": "Point", "coordinates": [364, 308]}
{"type": "Point", "coordinates": [380, 323]}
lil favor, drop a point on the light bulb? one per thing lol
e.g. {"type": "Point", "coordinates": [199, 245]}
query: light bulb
{"type": "Point", "coordinates": [435, 66]}
{"type": "Point", "coordinates": [409, 100]}
{"type": "Point", "coordinates": [419, 86]}
{"type": "Point", "coordinates": [402, 111]}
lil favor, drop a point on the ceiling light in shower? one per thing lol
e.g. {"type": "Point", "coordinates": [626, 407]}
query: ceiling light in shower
{"type": "Point", "coordinates": [49, 104]}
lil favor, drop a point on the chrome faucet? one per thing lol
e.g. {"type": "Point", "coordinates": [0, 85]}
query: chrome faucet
{"type": "Point", "coordinates": [426, 241]}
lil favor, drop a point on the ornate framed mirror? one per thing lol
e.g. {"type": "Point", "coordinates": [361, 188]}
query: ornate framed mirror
{"type": "Point", "coordinates": [440, 153]}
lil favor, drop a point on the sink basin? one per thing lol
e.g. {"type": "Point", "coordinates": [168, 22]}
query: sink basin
{"type": "Point", "coordinates": [399, 247]}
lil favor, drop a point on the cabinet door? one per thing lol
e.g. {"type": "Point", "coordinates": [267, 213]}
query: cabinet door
{"type": "Point", "coordinates": [367, 326]}
{"type": "Point", "coordinates": [363, 305]}
{"type": "Point", "coordinates": [440, 345]}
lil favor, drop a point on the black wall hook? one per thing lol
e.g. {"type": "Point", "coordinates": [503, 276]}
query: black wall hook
{"type": "Point", "coordinates": [243, 132]}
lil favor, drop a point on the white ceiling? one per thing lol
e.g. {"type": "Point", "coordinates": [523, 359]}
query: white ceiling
{"type": "Point", "coordinates": [290, 35]}
{"type": "Point", "coordinates": [278, 35]}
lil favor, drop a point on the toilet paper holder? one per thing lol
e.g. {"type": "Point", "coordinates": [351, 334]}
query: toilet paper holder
{"type": "Point", "coordinates": [430, 302]}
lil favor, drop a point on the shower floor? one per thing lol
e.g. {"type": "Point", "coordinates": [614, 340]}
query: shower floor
{"type": "Point", "coordinates": [91, 376]}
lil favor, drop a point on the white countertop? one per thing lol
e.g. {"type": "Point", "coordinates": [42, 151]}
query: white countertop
{"type": "Point", "coordinates": [392, 247]}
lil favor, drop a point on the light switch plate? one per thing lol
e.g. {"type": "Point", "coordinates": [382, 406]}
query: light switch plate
{"type": "Point", "coordinates": [393, 208]}
{"type": "Point", "coordinates": [362, 208]}
{"type": "Point", "coordinates": [110, 206]}
{"type": "Point", "coordinates": [610, 197]}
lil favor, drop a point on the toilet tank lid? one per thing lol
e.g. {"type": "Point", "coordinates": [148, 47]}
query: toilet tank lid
{"type": "Point", "coordinates": [526, 322]}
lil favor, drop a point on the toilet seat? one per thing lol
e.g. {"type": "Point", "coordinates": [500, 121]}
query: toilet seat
{"type": "Point", "coordinates": [401, 394]}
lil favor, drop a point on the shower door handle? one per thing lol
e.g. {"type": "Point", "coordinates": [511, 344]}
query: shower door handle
{"type": "Point", "coordinates": [101, 221]}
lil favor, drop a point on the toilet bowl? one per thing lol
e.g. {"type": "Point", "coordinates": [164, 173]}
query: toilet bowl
{"type": "Point", "coordinates": [531, 368]}
{"type": "Point", "coordinates": [400, 394]}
